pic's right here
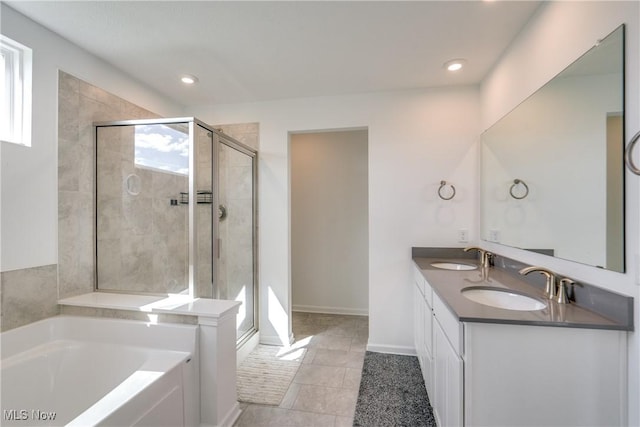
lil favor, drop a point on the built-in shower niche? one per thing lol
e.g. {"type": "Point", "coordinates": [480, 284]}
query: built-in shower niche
{"type": "Point", "coordinates": [142, 223]}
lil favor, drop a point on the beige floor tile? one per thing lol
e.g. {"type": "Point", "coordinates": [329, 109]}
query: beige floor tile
{"type": "Point", "coordinates": [358, 344]}
{"type": "Point", "coordinates": [290, 396]}
{"type": "Point", "coordinates": [259, 416]}
{"type": "Point", "coordinates": [329, 376]}
{"type": "Point", "coordinates": [344, 421]}
{"type": "Point", "coordinates": [331, 342]}
{"type": "Point", "coordinates": [308, 329]}
{"type": "Point", "coordinates": [326, 400]}
{"type": "Point", "coordinates": [310, 355]}
{"type": "Point", "coordinates": [342, 358]}
{"type": "Point", "coordinates": [352, 378]}
{"type": "Point", "coordinates": [325, 389]}
{"type": "Point", "coordinates": [342, 330]}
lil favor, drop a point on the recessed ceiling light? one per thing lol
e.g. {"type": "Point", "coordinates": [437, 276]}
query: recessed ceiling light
{"type": "Point", "coordinates": [454, 64]}
{"type": "Point", "coordinates": [188, 79]}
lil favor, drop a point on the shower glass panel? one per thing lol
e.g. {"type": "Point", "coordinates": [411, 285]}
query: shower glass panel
{"type": "Point", "coordinates": [236, 219]}
{"type": "Point", "coordinates": [176, 213]}
{"type": "Point", "coordinates": [141, 233]}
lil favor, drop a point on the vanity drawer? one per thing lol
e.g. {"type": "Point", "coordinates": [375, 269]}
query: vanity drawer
{"type": "Point", "coordinates": [449, 323]}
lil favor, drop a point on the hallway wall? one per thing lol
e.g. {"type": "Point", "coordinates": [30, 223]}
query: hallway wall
{"type": "Point", "coordinates": [329, 222]}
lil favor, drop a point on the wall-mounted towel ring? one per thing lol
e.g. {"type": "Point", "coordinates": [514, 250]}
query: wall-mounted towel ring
{"type": "Point", "coordinates": [516, 182]}
{"type": "Point", "coordinates": [453, 191]}
{"type": "Point", "coordinates": [628, 154]}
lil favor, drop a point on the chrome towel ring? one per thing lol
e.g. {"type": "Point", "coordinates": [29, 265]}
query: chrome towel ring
{"type": "Point", "coordinates": [453, 191]}
{"type": "Point", "coordinates": [628, 154]}
{"type": "Point", "coordinates": [516, 182]}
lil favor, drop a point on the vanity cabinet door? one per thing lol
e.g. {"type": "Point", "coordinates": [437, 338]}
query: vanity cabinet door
{"type": "Point", "coordinates": [427, 371]}
{"type": "Point", "coordinates": [418, 324]}
{"type": "Point", "coordinates": [427, 368]}
{"type": "Point", "coordinates": [448, 377]}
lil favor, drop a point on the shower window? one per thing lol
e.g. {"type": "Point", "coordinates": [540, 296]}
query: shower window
{"type": "Point", "coordinates": [162, 147]}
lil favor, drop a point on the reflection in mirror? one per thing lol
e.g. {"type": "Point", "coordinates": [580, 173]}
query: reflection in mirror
{"type": "Point", "coordinates": [141, 229]}
{"type": "Point", "coordinates": [566, 143]}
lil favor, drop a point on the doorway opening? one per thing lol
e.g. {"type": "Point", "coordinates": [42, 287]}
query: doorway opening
{"type": "Point", "coordinates": [330, 222]}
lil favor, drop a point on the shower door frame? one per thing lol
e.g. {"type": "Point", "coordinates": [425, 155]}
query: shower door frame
{"type": "Point", "coordinates": [222, 138]}
{"type": "Point", "coordinates": [227, 140]}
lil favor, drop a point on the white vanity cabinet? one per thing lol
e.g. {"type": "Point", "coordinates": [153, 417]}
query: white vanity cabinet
{"type": "Point", "coordinates": [447, 395]}
{"type": "Point", "coordinates": [440, 360]}
{"type": "Point", "coordinates": [447, 400]}
{"type": "Point", "coordinates": [422, 327]}
{"type": "Point", "coordinates": [497, 374]}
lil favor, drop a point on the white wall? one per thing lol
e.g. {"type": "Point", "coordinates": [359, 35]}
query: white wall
{"type": "Point", "coordinates": [330, 222]}
{"type": "Point", "coordinates": [29, 174]}
{"type": "Point", "coordinates": [416, 139]}
{"type": "Point", "coordinates": [558, 34]}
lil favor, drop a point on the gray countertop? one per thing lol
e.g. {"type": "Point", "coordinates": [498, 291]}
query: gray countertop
{"type": "Point", "coordinates": [447, 284]}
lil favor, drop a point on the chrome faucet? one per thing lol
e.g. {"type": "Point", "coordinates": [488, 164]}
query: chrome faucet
{"type": "Point", "coordinates": [562, 290]}
{"type": "Point", "coordinates": [550, 288]}
{"type": "Point", "coordinates": [485, 256]}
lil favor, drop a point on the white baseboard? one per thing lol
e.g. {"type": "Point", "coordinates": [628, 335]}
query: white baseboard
{"type": "Point", "coordinates": [330, 310]}
{"type": "Point", "coordinates": [392, 349]}
{"type": "Point", "coordinates": [232, 416]}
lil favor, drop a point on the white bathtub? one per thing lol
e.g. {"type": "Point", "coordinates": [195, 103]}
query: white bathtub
{"type": "Point", "coordinates": [80, 371]}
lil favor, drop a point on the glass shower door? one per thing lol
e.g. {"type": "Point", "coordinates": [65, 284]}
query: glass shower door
{"type": "Point", "coordinates": [176, 213]}
{"type": "Point", "coordinates": [236, 270]}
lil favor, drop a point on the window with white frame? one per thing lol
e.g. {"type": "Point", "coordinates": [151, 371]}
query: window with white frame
{"type": "Point", "coordinates": [15, 92]}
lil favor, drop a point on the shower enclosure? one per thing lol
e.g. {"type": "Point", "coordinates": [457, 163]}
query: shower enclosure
{"type": "Point", "coordinates": [176, 212]}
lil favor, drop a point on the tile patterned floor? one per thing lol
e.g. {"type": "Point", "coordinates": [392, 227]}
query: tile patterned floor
{"type": "Point", "coordinates": [324, 392]}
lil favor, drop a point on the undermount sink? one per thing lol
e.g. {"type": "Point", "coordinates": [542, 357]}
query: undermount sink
{"type": "Point", "coordinates": [453, 266]}
{"type": "Point", "coordinates": [502, 298]}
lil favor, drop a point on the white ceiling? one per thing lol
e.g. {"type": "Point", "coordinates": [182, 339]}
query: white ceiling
{"type": "Point", "coordinates": [256, 51]}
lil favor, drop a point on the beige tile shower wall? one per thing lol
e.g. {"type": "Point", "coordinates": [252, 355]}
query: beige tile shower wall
{"type": "Point", "coordinates": [28, 295]}
{"type": "Point", "coordinates": [142, 237]}
{"type": "Point", "coordinates": [79, 105]}
{"type": "Point", "coordinates": [247, 133]}
{"type": "Point", "coordinates": [31, 294]}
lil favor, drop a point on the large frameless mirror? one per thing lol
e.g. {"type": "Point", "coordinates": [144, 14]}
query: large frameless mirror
{"type": "Point", "coordinates": [552, 168]}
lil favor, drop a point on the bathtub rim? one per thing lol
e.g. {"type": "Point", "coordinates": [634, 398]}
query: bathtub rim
{"type": "Point", "coordinates": [161, 336]}
{"type": "Point", "coordinates": [139, 333]}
